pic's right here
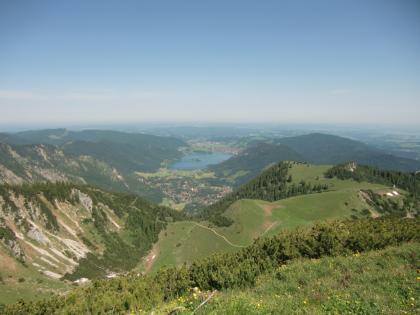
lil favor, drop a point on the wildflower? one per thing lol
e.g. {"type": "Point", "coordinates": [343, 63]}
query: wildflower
{"type": "Point", "coordinates": [418, 278]}
{"type": "Point", "coordinates": [305, 301]}
{"type": "Point", "coordinates": [357, 254]}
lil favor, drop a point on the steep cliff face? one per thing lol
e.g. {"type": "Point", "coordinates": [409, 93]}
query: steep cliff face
{"type": "Point", "coordinates": [48, 234]}
{"type": "Point", "coordinates": [64, 229]}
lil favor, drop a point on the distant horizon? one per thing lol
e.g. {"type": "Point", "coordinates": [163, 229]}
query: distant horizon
{"type": "Point", "coordinates": [289, 126]}
{"type": "Point", "coordinates": [83, 62]}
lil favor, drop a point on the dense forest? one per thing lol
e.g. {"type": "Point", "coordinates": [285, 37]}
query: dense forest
{"type": "Point", "coordinates": [273, 184]}
{"type": "Point", "coordinates": [137, 293]}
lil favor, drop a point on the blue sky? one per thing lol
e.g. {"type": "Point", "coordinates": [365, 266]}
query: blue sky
{"type": "Point", "coordinates": [210, 61]}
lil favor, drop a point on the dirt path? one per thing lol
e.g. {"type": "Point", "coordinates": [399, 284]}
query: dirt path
{"type": "Point", "coordinates": [269, 227]}
{"type": "Point", "coordinates": [268, 219]}
{"type": "Point", "coordinates": [220, 235]}
{"type": "Point", "coordinates": [150, 258]}
{"type": "Point", "coordinates": [268, 208]}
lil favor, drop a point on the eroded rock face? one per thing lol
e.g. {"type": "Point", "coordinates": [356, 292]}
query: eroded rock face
{"type": "Point", "coordinates": [17, 250]}
{"type": "Point", "coordinates": [85, 201]}
{"type": "Point", "coordinates": [37, 235]}
{"type": "Point", "coordinates": [8, 238]}
{"type": "Point", "coordinates": [7, 176]}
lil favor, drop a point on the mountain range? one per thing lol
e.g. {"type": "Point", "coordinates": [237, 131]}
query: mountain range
{"type": "Point", "coordinates": [72, 210]}
{"type": "Point", "coordinates": [313, 148]}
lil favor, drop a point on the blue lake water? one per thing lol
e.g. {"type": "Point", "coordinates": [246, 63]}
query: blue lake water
{"type": "Point", "coordinates": [199, 160]}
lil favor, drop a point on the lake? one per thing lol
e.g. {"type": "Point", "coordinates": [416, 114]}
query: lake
{"type": "Point", "coordinates": [199, 160]}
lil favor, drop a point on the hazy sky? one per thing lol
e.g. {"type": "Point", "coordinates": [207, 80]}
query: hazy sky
{"type": "Point", "coordinates": [228, 61]}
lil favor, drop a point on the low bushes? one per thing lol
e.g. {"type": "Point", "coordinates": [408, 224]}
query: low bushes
{"type": "Point", "coordinates": [241, 269]}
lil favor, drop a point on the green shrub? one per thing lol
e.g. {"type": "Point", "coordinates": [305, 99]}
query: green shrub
{"type": "Point", "coordinates": [235, 270]}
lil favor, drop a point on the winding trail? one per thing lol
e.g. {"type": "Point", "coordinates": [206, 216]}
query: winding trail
{"type": "Point", "coordinates": [220, 235]}
{"type": "Point", "coordinates": [269, 228]}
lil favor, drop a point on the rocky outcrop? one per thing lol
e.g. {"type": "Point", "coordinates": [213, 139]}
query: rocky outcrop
{"type": "Point", "coordinates": [9, 239]}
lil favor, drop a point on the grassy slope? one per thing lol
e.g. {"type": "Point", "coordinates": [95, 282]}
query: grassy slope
{"type": "Point", "coordinates": [379, 282]}
{"type": "Point", "coordinates": [185, 241]}
{"type": "Point", "coordinates": [254, 218]}
{"type": "Point", "coordinates": [24, 282]}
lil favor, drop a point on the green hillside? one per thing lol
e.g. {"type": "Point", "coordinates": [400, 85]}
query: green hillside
{"type": "Point", "coordinates": [321, 148]}
{"type": "Point", "coordinates": [248, 267]}
{"type": "Point", "coordinates": [47, 163]}
{"type": "Point", "coordinates": [273, 184]}
{"type": "Point", "coordinates": [122, 150]}
{"type": "Point", "coordinates": [313, 148]}
{"type": "Point", "coordinates": [379, 282]}
{"type": "Point", "coordinates": [108, 159]}
{"type": "Point", "coordinates": [249, 163]}
{"type": "Point", "coordinates": [50, 232]}
{"type": "Point", "coordinates": [184, 242]}
{"type": "Point", "coordinates": [23, 281]}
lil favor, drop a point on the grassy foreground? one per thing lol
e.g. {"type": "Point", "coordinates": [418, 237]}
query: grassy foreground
{"type": "Point", "coordinates": [379, 282]}
{"type": "Point", "coordinates": [242, 270]}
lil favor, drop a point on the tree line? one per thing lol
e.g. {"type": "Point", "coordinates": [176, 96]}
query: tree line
{"type": "Point", "coordinates": [271, 185]}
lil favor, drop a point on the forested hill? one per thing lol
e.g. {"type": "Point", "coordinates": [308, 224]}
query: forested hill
{"type": "Point", "coordinates": [271, 185]}
{"type": "Point", "coordinates": [134, 151]}
{"type": "Point", "coordinates": [62, 136]}
{"type": "Point", "coordinates": [313, 148]}
{"type": "Point", "coordinates": [108, 159]}
{"type": "Point", "coordinates": [329, 149]}
{"type": "Point", "coordinates": [47, 163]}
{"type": "Point", "coordinates": [77, 231]}
{"type": "Point", "coordinates": [253, 160]}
